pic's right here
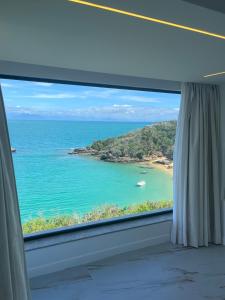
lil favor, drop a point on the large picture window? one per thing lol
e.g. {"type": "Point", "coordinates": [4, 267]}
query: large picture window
{"type": "Point", "coordinates": [84, 153]}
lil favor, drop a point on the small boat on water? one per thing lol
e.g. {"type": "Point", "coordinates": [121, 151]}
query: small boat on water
{"type": "Point", "coordinates": [13, 149]}
{"type": "Point", "coordinates": [143, 172]}
{"type": "Point", "coordinates": [141, 183]}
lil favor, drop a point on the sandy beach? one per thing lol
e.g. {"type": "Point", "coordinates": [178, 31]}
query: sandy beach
{"type": "Point", "coordinates": [154, 164]}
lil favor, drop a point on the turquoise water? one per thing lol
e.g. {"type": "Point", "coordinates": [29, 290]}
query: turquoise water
{"type": "Point", "coordinates": [49, 181]}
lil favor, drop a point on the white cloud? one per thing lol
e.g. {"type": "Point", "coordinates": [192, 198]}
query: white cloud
{"type": "Point", "coordinates": [7, 85]}
{"type": "Point", "coordinates": [104, 94]}
{"type": "Point", "coordinates": [121, 113]}
{"type": "Point", "coordinates": [100, 93]}
{"type": "Point", "coordinates": [139, 99]}
{"type": "Point", "coordinates": [19, 110]}
{"type": "Point", "coordinates": [56, 96]}
{"type": "Point", "coordinates": [45, 84]}
{"type": "Point", "coordinates": [114, 112]}
{"type": "Point", "coordinates": [122, 105]}
{"type": "Point", "coordinates": [107, 113]}
{"type": "Point", "coordinates": [88, 94]}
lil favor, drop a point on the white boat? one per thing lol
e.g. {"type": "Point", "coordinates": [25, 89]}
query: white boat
{"type": "Point", "coordinates": [143, 172]}
{"type": "Point", "coordinates": [141, 183]}
{"type": "Point", "coordinates": [13, 149]}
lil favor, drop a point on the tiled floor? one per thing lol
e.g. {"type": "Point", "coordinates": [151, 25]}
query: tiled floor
{"type": "Point", "coordinates": [156, 273]}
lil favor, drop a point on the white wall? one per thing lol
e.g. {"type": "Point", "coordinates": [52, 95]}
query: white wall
{"type": "Point", "coordinates": [74, 249]}
{"type": "Point", "coordinates": [70, 76]}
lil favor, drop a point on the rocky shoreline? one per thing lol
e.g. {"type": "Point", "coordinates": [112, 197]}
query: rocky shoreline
{"type": "Point", "coordinates": [156, 159]}
{"type": "Point", "coordinates": [80, 151]}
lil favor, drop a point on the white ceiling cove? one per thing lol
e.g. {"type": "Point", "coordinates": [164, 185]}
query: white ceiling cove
{"type": "Point", "coordinates": [218, 5]}
{"type": "Point", "coordinates": [63, 34]}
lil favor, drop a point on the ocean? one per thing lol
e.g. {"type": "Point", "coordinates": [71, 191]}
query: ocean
{"type": "Point", "coordinates": [50, 182]}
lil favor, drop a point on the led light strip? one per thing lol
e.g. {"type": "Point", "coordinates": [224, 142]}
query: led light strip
{"type": "Point", "coordinates": [146, 18]}
{"type": "Point", "coordinates": [215, 74]}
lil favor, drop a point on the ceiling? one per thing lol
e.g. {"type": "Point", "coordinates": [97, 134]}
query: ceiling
{"type": "Point", "coordinates": [217, 5]}
{"type": "Point", "coordinates": [62, 34]}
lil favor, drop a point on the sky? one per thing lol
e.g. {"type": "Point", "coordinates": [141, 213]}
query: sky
{"type": "Point", "coordinates": [50, 101]}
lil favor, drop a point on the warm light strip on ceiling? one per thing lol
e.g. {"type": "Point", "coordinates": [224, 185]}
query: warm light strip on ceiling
{"type": "Point", "coordinates": [215, 74]}
{"type": "Point", "coordinates": [146, 18]}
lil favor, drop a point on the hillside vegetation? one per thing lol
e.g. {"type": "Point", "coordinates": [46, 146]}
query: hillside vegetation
{"type": "Point", "coordinates": [100, 213]}
{"type": "Point", "coordinates": [153, 140]}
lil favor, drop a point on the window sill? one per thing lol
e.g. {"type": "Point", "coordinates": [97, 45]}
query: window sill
{"type": "Point", "coordinates": [92, 229]}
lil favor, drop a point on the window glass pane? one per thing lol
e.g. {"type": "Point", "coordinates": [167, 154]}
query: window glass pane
{"type": "Point", "coordinates": [84, 154]}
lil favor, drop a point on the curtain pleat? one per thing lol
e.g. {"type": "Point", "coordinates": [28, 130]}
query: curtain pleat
{"type": "Point", "coordinates": [197, 202]}
{"type": "Point", "coordinates": [13, 274]}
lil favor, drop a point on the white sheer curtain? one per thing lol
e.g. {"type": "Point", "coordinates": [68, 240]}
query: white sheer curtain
{"type": "Point", "coordinates": [13, 274]}
{"type": "Point", "coordinates": [197, 202]}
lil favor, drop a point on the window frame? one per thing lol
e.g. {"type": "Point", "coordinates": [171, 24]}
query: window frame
{"type": "Point", "coordinates": [105, 222]}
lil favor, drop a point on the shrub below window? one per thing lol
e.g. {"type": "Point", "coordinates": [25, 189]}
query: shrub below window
{"type": "Point", "coordinates": [104, 212]}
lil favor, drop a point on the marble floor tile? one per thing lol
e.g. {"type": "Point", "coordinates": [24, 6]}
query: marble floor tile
{"type": "Point", "coordinates": [155, 273]}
